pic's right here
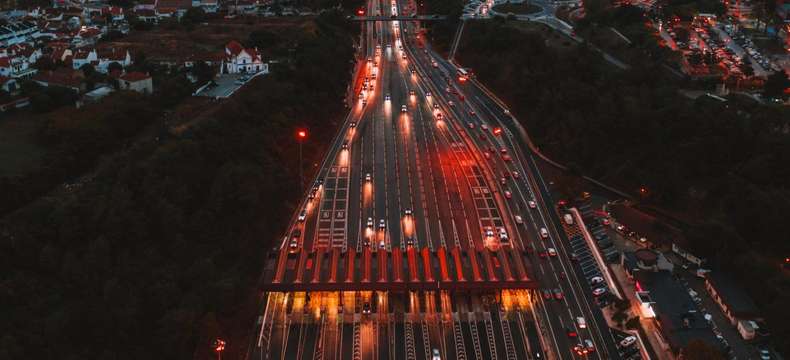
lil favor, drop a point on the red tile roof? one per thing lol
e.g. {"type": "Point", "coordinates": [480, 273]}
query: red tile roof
{"type": "Point", "coordinates": [234, 47]}
{"type": "Point", "coordinates": [135, 76]}
{"type": "Point", "coordinates": [60, 77]}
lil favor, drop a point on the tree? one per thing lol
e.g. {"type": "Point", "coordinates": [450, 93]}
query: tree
{"type": "Point", "coordinates": [619, 317]}
{"type": "Point", "coordinates": [632, 323]}
{"type": "Point", "coordinates": [114, 66]}
{"type": "Point", "coordinates": [203, 72]}
{"type": "Point", "coordinates": [776, 84]}
{"type": "Point", "coordinates": [700, 350]}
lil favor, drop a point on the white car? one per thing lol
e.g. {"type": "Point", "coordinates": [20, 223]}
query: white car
{"type": "Point", "coordinates": [368, 177]}
{"type": "Point", "coordinates": [382, 224]}
{"type": "Point", "coordinates": [436, 355]}
{"type": "Point", "coordinates": [407, 212]}
{"type": "Point", "coordinates": [369, 224]}
{"type": "Point", "coordinates": [544, 233]}
{"type": "Point", "coordinates": [628, 341]}
{"type": "Point", "coordinates": [451, 103]}
{"type": "Point", "coordinates": [532, 204]}
{"type": "Point", "coordinates": [503, 234]}
{"type": "Point", "coordinates": [403, 108]}
{"type": "Point", "coordinates": [551, 252]}
{"type": "Point", "coordinates": [489, 232]}
{"type": "Point", "coordinates": [387, 97]}
{"type": "Point", "coordinates": [599, 291]}
{"type": "Point", "coordinates": [519, 220]}
{"type": "Point", "coordinates": [302, 215]}
{"type": "Point", "coordinates": [596, 280]}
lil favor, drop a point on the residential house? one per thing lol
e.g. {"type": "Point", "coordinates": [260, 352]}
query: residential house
{"type": "Point", "coordinates": [136, 81]}
{"type": "Point", "coordinates": [83, 57]}
{"type": "Point", "coordinates": [733, 301]}
{"type": "Point", "coordinates": [172, 8]}
{"type": "Point", "coordinates": [242, 60]}
{"type": "Point", "coordinates": [17, 32]}
{"type": "Point", "coordinates": [9, 85]}
{"type": "Point", "coordinates": [24, 50]}
{"type": "Point", "coordinates": [88, 36]}
{"type": "Point", "coordinates": [16, 67]}
{"type": "Point", "coordinates": [108, 56]}
{"type": "Point", "coordinates": [63, 77]}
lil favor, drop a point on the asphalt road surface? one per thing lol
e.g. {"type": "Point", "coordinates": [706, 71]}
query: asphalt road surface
{"type": "Point", "coordinates": [426, 159]}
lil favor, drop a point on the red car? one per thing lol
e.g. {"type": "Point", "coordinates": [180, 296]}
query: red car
{"type": "Point", "coordinates": [558, 294]}
{"type": "Point", "coordinates": [543, 254]}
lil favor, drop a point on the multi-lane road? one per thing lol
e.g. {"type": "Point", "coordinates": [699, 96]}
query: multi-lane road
{"type": "Point", "coordinates": [428, 161]}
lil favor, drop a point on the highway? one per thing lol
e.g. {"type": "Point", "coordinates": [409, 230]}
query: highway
{"type": "Point", "coordinates": [426, 161]}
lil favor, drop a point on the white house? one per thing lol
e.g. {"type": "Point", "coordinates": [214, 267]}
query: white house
{"type": "Point", "coordinates": [17, 32]}
{"type": "Point", "coordinates": [241, 60]}
{"type": "Point", "coordinates": [83, 57]}
{"type": "Point", "coordinates": [16, 67]}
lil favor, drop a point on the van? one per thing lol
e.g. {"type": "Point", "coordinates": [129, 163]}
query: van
{"type": "Point", "coordinates": [581, 323]}
{"type": "Point", "coordinates": [568, 219]}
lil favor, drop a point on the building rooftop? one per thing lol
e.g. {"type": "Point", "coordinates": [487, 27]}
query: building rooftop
{"type": "Point", "coordinates": [731, 294]}
{"type": "Point", "coordinates": [678, 317]}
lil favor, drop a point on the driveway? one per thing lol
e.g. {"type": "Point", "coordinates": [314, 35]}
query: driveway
{"type": "Point", "coordinates": [226, 85]}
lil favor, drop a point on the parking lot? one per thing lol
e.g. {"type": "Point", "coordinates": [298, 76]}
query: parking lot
{"type": "Point", "coordinates": [225, 85]}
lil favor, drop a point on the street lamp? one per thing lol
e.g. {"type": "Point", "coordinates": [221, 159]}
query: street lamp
{"type": "Point", "coordinates": [301, 135]}
{"type": "Point", "coordinates": [219, 347]}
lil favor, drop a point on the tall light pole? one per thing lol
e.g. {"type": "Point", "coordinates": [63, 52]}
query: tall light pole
{"type": "Point", "coordinates": [301, 135]}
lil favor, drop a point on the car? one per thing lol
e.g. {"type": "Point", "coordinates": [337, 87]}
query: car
{"type": "Point", "coordinates": [407, 212]}
{"type": "Point", "coordinates": [508, 194]}
{"type": "Point", "coordinates": [599, 291]}
{"type": "Point", "coordinates": [368, 177]}
{"type": "Point", "coordinates": [403, 56]}
{"type": "Point", "coordinates": [571, 333]}
{"type": "Point", "coordinates": [411, 92]}
{"type": "Point", "coordinates": [302, 215]}
{"type": "Point", "coordinates": [579, 349]}
{"type": "Point", "coordinates": [502, 180]}
{"type": "Point", "coordinates": [435, 355]}
{"type": "Point", "coordinates": [472, 112]}
{"type": "Point", "coordinates": [484, 127]}
{"type": "Point", "coordinates": [544, 233]}
{"type": "Point", "coordinates": [470, 125]}
{"type": "Point", "coordinates": [581, 323]}
{"type": "Point", "coordinates": [503, 150]}
{"type": "Point", "coordinates": [628, 341]}
{"type": "Point", "coordinates": [370, 60]}
{"type": "Point", "coordinates": [765, 354]}
{"type": "Point", "coordinates": [519, 220]}
{"type": "Point", "coordinates": [596, 280]}
{"type": "Point", "coordinates": [486, 155]}
{"type": "Point", "coordinates": [365, 242]}
{"type": "Point", "coordinates": [503, 235]}
{"type": "Point", "coordinates": [369, 223]}
{"type": "Point", "coordinates": [516, 175]}
{"type": "Point", "coordinates": [410, 241]}
{"type": "Point", "coordinates": [489, 232]}
{"type": "Point", "coordinates": [293, 245]}
{"type": "Point", "coordinates": [574, 257]}
{"type": "Point", "coordinates": [551, 252]}
{"type": "Point", "coordinates": [382, 245]}
{"type": "Point", "coordinates": [439, 116]}
{"type": "Point", "coordinates": [387, 97]}
{"type": "Point", "coordinates": [345, 145]}
{"type": "Point", "coordinates": [435, 105]}
{"type": "Point", "coordinates": [352, 124]}
{"type": "Point", "coordinates": [364, 101]}
{"type": "Point", "coordinates": [389, 46]}
{"type": "Point", "coordinates": [296, 234]}
{"type": "Point", "coordinates": [588, 344]}
{"type": "Point", "coordinates": [311, 196]}
{"type": "Point", "coordinates": [427, 94]}
{"type": "Point", "coordinates": [506, 158]}
{"type": "Point", "coordinates": [382, 224]}
{"type": "Point", "coordinates": [546, 294]}
{"type": "Point", "coordinates": [558, 294]}
{"type": "Point", "coordinates": [366, 308]}
{"type": "Point", "coordinates": [451, 103]}
{"type": "Point", "coordinates": [606, 221]}
{"type": "Point", "coordinates": [532, 204]}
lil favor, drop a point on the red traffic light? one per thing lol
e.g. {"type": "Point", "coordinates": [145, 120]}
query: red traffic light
{"type": "Point", "coordinates": [497, 130]}
{"type": "Point", "coordinates": [361, 11]}
{"type": "Point", "coordinates": [301, 134]}
{"type": "Point", "coordinates": [219, 345]}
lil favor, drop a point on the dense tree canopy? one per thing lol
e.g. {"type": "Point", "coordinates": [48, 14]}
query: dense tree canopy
{"type": "Point", "coordinates": [160, 251]}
